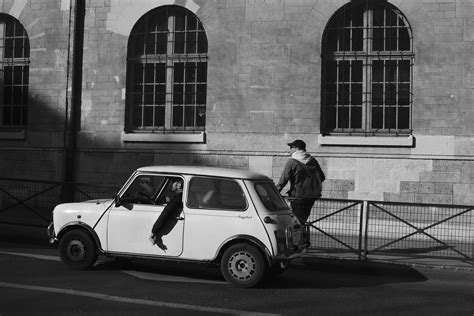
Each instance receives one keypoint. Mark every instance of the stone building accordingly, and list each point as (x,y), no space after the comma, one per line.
(381,91)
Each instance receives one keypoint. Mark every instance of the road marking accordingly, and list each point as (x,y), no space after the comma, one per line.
(137,274)
(31,255)
(170,278)
(128,300)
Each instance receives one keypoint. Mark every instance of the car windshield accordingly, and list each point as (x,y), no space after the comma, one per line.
(270,196)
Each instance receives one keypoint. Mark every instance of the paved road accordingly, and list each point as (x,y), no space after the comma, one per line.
(34,282)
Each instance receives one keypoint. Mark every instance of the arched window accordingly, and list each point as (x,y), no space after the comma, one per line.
(167,72)
(14,73)
(367,62)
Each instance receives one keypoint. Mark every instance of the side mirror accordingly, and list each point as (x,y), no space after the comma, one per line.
(117,201)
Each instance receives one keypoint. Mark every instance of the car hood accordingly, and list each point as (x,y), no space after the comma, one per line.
(87,212)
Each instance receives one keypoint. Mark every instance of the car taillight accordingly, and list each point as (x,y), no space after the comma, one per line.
(289,238)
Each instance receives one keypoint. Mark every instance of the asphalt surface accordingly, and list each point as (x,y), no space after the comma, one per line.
(33,281)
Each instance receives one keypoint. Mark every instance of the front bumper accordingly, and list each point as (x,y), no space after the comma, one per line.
(51,233)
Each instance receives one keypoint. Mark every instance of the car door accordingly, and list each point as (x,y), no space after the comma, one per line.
(130,223)
(217,210)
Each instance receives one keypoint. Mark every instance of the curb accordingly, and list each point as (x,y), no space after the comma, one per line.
(371,266)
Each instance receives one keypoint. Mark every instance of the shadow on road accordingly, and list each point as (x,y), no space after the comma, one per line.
(181,269)
(314,273)
(333,273)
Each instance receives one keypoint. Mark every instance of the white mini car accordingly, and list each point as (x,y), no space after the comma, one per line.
(234,218)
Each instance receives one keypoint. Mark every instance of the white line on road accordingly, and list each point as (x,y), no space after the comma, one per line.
(170,278)
(121,299)
(136,274)
(31,255)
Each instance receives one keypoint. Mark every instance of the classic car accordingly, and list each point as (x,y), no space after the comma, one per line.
(235,219)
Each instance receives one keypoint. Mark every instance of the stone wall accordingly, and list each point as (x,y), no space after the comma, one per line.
(263,91)
(35,153)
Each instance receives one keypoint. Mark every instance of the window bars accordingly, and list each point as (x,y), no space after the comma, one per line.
(167,72)
(367,62)
(14,73)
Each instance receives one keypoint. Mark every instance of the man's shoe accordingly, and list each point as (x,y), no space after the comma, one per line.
(152,239)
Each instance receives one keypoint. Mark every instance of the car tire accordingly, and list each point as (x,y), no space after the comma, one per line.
(78,250)
(243,265)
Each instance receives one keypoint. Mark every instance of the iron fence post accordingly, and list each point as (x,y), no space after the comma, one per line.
(364,224)
(361,231)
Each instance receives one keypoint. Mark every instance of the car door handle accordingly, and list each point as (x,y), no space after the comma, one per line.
(179,218)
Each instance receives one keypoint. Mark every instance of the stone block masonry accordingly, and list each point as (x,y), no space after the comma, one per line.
(263,90)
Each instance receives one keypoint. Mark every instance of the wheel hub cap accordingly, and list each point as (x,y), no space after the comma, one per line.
(76,250)
(242,265)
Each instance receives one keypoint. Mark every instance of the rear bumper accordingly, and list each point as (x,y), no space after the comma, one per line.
(295,252)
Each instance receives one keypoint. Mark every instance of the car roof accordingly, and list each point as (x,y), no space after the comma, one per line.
(206,171)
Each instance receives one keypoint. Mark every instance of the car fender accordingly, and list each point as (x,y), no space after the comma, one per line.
(243,238)
(81,225)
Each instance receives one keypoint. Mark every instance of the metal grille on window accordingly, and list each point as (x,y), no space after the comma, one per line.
(167,72)
(367,71)
(14,73)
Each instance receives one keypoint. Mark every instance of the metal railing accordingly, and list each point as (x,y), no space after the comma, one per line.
(420,231)
(336,227)
(30,202)
(403,232)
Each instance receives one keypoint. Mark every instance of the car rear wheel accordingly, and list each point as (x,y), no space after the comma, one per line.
(78,250)
(243,265)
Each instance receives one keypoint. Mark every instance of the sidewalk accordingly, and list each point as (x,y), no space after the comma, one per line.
(378,262)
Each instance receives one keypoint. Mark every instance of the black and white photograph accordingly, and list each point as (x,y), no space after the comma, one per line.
(236,157)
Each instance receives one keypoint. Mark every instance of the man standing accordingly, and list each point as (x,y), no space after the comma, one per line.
(305,177)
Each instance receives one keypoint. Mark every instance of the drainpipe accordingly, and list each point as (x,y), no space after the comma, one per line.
(73,114)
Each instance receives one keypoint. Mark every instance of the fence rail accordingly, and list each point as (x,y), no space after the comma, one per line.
(350,229)
(30,202)
(402,232)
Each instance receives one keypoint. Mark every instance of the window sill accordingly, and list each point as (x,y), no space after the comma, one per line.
(198,137)
(372,141)
(12,135)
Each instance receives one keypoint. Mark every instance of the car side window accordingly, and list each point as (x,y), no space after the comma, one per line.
(216,193)
(143,189)
(270,197)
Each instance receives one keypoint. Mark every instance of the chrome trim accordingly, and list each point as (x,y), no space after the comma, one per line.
(113,254)
(50,230)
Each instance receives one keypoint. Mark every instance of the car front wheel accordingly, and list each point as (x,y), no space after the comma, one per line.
(243,265)
(78,250)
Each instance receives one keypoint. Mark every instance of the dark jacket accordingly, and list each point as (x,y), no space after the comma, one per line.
(305,178)
(167,219)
